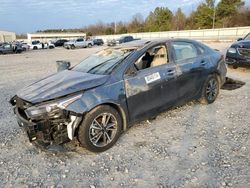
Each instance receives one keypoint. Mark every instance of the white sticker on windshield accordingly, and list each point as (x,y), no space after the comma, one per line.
(152,77)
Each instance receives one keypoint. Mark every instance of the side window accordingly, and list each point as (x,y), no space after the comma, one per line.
(35,42)
(201,49)
(79,40)
(247,37)
(153,57)
(7,46)
(184,50)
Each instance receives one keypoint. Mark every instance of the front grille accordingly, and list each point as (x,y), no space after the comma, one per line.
(244,52)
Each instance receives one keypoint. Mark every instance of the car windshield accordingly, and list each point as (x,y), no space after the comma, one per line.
(247,37)
(103,62)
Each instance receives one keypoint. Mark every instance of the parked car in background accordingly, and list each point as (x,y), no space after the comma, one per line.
(111,42)
(107,92)
(125,39)
(36,44)
(10,48)
(98,42)
(238,55)
(78,43)
(25,46)
(60,42)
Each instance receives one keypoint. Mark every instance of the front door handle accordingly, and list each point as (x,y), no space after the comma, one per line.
(171,72)
(203,62)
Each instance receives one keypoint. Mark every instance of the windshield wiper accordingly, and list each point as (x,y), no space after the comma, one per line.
(110,69)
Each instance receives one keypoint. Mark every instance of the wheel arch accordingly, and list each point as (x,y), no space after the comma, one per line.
(119,109)
(82,110)
(218,75)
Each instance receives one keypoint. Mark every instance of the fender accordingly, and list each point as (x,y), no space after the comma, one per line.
(95,97)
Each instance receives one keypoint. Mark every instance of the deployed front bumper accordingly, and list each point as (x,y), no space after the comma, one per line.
(46,130)
(29,127)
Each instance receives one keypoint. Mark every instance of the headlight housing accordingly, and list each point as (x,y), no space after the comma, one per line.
(232,50)
(39,110)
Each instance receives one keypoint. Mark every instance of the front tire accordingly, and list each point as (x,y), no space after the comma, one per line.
(210,90)
(100,129)
(89,45)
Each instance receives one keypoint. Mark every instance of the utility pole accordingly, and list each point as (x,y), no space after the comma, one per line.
(214,16)
(115,27)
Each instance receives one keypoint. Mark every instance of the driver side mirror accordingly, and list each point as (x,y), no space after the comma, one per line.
(239,39)
(62,65)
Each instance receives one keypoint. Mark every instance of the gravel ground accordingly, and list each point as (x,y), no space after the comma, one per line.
(190,146)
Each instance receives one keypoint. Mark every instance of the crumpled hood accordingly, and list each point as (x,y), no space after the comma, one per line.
(60,84)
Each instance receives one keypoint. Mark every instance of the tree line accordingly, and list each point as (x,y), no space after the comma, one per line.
(227,13)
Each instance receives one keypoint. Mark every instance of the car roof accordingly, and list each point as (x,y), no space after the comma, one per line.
(136,44)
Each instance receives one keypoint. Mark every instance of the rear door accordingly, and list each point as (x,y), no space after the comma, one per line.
(191,68)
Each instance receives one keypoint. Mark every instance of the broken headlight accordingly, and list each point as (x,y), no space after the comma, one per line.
(232,50)
(39,110)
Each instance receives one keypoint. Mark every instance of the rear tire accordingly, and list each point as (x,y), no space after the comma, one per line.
(35,48)
(100,129)
(89,45)
(210,90)
(72,47)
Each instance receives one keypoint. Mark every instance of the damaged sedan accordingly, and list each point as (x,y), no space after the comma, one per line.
(106,93)
(238,55)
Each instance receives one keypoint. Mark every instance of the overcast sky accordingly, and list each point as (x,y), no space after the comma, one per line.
(24,16)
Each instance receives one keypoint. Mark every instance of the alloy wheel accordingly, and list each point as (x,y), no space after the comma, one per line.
(103,130)
(212,89)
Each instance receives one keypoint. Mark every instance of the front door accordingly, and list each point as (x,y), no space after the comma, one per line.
(151,87)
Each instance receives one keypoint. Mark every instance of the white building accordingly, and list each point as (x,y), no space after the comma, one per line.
(6,36)
(45,37)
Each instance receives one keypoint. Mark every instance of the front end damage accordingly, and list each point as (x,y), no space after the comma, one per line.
(49,123)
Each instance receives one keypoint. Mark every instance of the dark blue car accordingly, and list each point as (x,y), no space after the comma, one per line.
(238,55)
(102,96)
